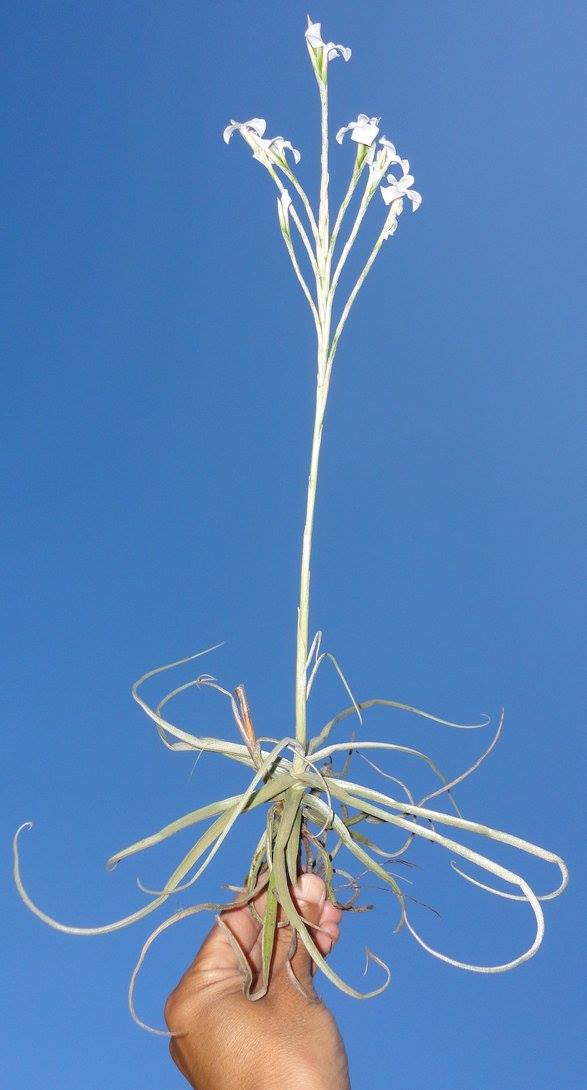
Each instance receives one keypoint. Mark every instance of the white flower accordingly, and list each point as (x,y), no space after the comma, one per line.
(278,145)
(321,52)
(399,188)
(364,130)
(253,132)
(256,127)
(389,153)
(381,158)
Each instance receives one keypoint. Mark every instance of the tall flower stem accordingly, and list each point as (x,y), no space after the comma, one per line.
(304,601)
(324,301)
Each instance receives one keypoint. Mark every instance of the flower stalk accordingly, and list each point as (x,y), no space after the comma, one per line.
(364,132)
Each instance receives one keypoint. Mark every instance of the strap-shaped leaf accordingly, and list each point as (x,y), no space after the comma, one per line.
(186,740)
(117,925)
(174,827)
(329,873)
(264,794)
(318,740)
(479,860)
(281,880)
(393,747)
(232,816)
(268,933)
(293,845)
(259,856)
(364,794)
(317,807)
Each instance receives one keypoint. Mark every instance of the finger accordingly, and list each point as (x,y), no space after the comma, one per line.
(243,924)
(328,931)
(310,897)
(326,937)
(216,954)
(331,913)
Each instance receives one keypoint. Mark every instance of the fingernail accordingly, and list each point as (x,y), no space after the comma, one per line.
(311,889)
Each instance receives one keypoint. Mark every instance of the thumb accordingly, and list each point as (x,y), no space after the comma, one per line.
(309,895)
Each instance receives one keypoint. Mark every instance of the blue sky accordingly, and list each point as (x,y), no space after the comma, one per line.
(157,422)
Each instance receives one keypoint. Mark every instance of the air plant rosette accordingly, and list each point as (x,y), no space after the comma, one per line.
(314,810)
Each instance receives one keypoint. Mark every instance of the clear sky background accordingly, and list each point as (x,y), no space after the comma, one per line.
(157,406)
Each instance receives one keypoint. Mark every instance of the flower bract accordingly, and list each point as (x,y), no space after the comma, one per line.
(283,203)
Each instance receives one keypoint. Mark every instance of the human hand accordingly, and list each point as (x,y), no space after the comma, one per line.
(283,1040)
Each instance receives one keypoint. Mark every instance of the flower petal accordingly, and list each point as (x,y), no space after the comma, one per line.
(340,50)
(366,132)
(297,155)
(257,124)
(330,50)
(229,130)
(388,152)
(363,131)
(389,193)
(278,145)
(314,36)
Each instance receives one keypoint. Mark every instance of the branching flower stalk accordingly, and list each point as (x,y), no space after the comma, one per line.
(314,811)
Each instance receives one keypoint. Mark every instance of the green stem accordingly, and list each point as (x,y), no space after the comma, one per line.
(326,285)
(304,601)
(323,215)
(342,210)
(324,312)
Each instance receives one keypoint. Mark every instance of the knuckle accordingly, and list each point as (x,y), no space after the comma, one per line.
(175,1006)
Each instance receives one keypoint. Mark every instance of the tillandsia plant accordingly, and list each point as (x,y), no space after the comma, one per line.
(313,809)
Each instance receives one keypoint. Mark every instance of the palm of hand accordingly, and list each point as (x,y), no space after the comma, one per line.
(222,1040)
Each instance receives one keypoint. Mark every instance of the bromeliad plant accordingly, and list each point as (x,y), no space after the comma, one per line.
(314,810)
